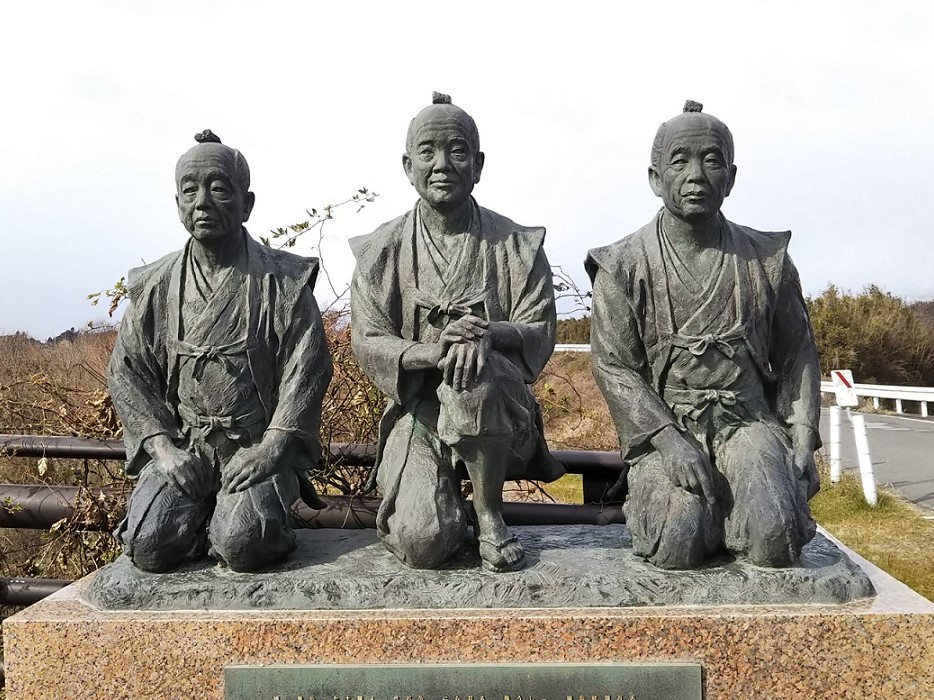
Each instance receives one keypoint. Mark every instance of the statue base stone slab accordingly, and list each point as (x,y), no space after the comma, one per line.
(567,566)
(871,647)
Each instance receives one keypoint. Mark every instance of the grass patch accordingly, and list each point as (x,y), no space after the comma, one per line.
(568,489)
(894,535)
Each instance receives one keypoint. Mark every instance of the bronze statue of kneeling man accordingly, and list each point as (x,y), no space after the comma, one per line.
(218,374)
(703,349)
(452,317)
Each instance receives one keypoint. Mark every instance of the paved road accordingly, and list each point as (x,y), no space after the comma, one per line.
(902,452)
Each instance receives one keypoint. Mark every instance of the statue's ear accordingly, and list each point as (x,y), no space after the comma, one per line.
(732,181)
(407,166)
(249,199)
(479,159)
(655,181)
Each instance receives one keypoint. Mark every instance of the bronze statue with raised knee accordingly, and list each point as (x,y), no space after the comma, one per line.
(453,317)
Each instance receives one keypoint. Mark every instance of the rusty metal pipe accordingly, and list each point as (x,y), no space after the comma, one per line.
(356,454)
(40,507)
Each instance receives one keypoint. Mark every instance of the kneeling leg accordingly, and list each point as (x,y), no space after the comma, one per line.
(251,529)
(421,519)
(768,521)
(164,527)
(671,527)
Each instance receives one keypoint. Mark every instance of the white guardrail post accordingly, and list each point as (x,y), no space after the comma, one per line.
(836,459)
(865,461)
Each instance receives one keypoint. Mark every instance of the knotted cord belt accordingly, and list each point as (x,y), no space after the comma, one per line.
(447,307)
(699,399)
(215,353)
(697,345)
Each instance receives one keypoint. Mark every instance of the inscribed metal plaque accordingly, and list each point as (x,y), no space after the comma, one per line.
(670,681)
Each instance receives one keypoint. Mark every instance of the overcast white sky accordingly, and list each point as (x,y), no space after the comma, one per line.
(831,105)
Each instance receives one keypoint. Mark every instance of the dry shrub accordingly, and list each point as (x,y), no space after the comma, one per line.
(576,416)
(574,330)
(875,334)
(350,412)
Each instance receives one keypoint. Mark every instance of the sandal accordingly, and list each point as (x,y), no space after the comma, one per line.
(491,554)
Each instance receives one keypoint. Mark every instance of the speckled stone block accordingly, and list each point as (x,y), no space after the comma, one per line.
(876,648)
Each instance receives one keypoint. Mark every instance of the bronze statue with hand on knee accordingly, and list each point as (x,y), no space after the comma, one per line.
(218,374)
(702,347)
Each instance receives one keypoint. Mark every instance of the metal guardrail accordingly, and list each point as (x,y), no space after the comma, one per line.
(600,470)
(893,392)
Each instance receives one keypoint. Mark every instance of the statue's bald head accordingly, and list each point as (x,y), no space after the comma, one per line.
(691,118)
(442,112)
(209,147)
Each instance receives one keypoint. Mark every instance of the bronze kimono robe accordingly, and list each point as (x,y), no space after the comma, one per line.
(732,361)
(404,292)
(277,352)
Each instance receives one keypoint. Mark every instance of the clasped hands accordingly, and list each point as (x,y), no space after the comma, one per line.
(248,467)
(460,353)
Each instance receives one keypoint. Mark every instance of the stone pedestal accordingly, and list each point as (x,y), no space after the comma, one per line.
(881,647)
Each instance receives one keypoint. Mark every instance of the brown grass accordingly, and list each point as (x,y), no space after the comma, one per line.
(576,416)
(894,535)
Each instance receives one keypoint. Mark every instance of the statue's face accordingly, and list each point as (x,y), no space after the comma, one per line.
(693,176)
(211,204)
(442,164)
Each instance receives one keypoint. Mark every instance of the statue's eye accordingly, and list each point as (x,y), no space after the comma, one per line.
(712,162)
(426,153)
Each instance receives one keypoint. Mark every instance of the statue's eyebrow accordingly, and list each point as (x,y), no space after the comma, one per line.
(214,174)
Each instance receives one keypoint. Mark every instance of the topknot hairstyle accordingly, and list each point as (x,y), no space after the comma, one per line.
(207,136)
(691,107)
(441,104)
(208,139)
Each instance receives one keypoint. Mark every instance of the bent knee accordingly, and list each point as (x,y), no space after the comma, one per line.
(251,545)
(771,541)
(424,553)
(680,538)
(427,549)
(159,554)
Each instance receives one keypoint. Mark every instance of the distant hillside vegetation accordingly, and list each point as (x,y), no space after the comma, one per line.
(877,335)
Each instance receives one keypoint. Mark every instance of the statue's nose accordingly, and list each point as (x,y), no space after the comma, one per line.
(442,162)
(695,173)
